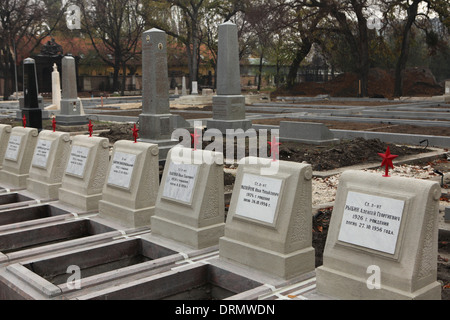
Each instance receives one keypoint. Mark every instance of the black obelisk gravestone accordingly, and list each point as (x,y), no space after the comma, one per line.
(31,110)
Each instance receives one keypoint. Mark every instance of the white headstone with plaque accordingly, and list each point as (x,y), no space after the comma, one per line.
(382,239)
(131,187)
(48,164)
(269,222)
(190,205)
(5,132)
(85,172)
(18,156)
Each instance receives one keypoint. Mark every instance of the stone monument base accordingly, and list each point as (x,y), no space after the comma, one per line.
(285,266)
(306,132)
(223,125)
(198,238)
(45,190)
(71,120)
(10,179)
(334,283)
(84,202)
(133,218)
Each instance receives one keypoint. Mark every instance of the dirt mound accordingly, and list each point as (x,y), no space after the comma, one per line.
(417,82)
(347,153)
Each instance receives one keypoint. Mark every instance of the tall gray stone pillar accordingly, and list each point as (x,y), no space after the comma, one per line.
(229,103)
(156,123)
(70,105)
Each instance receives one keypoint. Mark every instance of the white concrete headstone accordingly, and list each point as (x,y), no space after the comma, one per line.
(386,224)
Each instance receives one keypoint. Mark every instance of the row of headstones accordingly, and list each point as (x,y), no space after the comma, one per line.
(381,243)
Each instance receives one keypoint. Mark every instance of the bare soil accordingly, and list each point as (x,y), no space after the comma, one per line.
(361,126)
(417,82)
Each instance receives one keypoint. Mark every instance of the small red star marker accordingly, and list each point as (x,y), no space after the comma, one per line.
(195,137)
(54,124)
(135,133)
(387,161)
(274,150)
(24,121)
(90,128)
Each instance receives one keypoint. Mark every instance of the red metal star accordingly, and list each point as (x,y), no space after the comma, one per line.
(274,150)
(54,124)
(90,128)
(135,133)
(387,161)
(24,121)
(195,137)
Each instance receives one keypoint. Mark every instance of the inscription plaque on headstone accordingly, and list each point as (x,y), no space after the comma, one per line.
(180,182)
(77,161)
(121,169)
(258,198)
(41,153)
(12,151)
(371,221)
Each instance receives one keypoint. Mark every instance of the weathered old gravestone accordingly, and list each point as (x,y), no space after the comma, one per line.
(31,110)
(269,221)
(5,132)
(131,187)
(18,157)
(85,172)
(70,104)
(48,164)
(190,203)
(156,121)
(382,239)
(229,103)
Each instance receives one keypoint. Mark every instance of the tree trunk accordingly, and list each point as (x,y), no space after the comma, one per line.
(124,78)
(404,53)
(6,67)
(301,53)
(363,43)
(261,58)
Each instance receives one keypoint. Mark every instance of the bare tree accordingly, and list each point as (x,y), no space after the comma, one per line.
(188,24)
(23,25)
(412,12)
(114,28)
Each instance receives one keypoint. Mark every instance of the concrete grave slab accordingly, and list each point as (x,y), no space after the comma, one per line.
(132,183)
(48,164)
(269,221)
(18,156)
(190,203)
(85,173)
(382,240)
(306,132)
